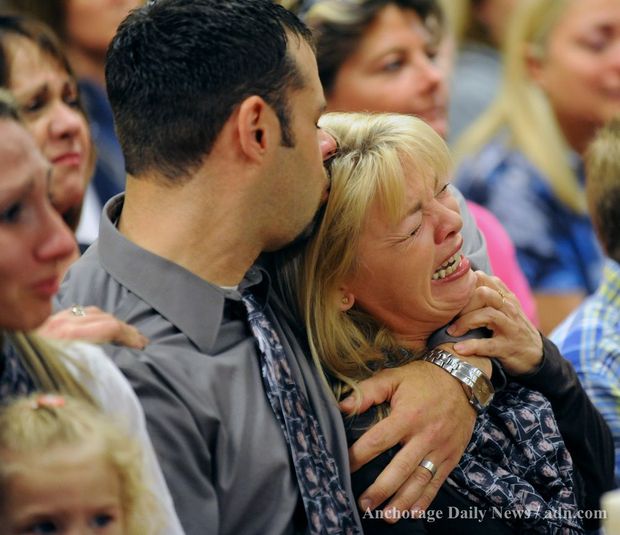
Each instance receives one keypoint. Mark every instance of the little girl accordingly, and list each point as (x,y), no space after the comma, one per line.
(66,468)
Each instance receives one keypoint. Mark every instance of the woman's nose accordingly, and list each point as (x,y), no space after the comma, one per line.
(65,121)
(327,144)
(448,223)
(57,242)
(429,75)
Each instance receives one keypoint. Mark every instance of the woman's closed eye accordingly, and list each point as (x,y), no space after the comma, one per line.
(415,230)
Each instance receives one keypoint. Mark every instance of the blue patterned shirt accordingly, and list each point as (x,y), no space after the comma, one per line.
(590,339)
(556,248)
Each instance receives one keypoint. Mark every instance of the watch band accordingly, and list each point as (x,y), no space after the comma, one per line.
(441,336)
(477,385)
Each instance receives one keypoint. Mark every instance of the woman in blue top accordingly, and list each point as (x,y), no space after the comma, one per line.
(521,159)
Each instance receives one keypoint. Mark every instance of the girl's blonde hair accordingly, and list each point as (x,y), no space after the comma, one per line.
(376,156)
(34,425)
(524,110)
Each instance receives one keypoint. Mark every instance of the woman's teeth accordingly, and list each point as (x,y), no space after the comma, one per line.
(448,267)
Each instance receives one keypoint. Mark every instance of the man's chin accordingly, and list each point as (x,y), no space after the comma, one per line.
(299,242)
(302,238)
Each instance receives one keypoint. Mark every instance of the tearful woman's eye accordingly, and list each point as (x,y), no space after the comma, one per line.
(12,213)
(34,105)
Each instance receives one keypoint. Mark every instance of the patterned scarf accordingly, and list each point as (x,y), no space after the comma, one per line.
(517,465)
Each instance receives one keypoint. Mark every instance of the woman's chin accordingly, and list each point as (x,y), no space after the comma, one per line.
(453,295)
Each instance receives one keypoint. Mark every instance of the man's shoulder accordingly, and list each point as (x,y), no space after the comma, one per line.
(87,283)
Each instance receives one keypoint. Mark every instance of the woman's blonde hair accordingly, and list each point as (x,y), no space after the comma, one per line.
(376,156)
(34,425)
(524,110)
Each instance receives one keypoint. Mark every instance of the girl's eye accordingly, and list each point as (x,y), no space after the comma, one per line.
(443,190)
(42,528)
(11,214)
(415,231)
(101,521)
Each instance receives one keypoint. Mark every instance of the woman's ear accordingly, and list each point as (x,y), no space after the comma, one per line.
(346,299)
(534,64)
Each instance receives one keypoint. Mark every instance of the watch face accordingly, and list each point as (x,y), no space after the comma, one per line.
(483,391)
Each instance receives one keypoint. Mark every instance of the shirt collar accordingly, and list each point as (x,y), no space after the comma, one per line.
(193,305)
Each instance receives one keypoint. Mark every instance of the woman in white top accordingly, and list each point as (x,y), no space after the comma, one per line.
(36,244)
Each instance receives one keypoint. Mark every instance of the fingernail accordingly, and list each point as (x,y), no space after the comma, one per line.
(415,511)
(365,504)
(451,330)
(459,347)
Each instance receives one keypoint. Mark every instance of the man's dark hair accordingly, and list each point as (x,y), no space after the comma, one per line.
(177,69)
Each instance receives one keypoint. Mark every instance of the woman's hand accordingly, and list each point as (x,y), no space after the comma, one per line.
(93,325)
(516,343)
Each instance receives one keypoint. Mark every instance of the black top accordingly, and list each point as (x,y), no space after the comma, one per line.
(583,429)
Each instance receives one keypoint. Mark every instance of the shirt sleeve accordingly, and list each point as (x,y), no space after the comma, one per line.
(474,245)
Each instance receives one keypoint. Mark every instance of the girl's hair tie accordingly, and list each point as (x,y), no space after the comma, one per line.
(48,401)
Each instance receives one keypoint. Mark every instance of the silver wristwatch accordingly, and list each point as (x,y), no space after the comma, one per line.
(477,385)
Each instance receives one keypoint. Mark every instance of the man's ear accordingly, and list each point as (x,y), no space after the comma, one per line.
(255,120)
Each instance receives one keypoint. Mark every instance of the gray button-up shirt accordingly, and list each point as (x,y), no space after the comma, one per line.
(219,444)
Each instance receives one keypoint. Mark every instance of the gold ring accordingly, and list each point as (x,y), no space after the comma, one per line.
(503,296)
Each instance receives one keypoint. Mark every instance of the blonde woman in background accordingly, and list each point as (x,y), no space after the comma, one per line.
(479,28)
(522,161)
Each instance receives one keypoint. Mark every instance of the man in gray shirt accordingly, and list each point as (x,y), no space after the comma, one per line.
(216,106)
